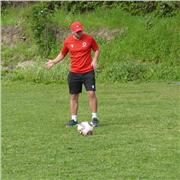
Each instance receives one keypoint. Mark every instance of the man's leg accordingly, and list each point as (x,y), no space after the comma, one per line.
(93,106)
(90,85)
(74,105)
(92,101)
(73,109)
(75,87)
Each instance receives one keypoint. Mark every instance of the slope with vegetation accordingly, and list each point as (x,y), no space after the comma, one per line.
(138,40)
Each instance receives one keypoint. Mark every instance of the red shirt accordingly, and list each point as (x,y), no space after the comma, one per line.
(80,52)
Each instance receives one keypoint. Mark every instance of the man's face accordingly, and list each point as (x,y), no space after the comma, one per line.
(78,34)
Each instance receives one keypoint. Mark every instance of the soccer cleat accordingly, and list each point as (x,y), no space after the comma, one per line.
(71,123)
(94,122)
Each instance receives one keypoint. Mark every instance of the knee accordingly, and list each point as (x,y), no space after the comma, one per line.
(74,97)
(91,94)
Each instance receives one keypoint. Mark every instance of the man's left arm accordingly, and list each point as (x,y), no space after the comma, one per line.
(95,48)
(95,59)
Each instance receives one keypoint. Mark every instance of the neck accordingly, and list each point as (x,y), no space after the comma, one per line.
(75,37)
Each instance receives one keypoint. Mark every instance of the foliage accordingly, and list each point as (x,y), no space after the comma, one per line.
(138,8)
(37,73)
(167,9)
(82,6)
(145,49)
(163,9)
(10,57)
(116,72)
(42,29)
(129,71)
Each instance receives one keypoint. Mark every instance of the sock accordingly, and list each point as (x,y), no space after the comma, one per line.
(74,117)
(94,115)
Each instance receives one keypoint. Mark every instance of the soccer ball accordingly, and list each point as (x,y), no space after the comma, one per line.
(85,128)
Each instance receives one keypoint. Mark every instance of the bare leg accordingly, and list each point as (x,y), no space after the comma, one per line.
(92,101)
(74,104)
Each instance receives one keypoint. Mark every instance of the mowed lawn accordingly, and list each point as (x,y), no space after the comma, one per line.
(138,137)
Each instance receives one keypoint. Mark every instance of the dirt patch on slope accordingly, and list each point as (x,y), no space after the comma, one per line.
(107,34)
(104,33)
(10,35)
(14,34)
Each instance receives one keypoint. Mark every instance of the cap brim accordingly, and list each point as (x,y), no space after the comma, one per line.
(78,30)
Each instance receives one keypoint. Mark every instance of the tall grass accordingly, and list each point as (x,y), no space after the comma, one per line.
(14,15)
(37,73)
(147,48)
(11,55)
(100,17)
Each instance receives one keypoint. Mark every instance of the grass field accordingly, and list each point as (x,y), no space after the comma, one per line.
(138,137)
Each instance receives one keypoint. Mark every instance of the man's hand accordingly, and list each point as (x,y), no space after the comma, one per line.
(49,64)
(94,63)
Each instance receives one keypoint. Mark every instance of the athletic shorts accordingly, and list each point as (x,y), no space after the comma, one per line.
(76,80)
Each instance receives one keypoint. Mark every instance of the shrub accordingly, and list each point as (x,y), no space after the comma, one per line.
(130,71)
(38,74)
(42,29)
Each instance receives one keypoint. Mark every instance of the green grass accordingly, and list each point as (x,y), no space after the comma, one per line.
(14,15)
(138,137)
(96,19)
(148,45)
(26,51)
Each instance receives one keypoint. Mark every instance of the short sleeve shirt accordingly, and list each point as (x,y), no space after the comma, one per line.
(80,52)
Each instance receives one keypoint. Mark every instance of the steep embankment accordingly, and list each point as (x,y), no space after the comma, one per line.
(132,47)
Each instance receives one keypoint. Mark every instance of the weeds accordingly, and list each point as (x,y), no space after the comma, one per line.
(146,50)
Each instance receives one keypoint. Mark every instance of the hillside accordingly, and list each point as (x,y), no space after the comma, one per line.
(133,47)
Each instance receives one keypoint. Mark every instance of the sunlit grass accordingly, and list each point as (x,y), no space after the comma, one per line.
(138,136)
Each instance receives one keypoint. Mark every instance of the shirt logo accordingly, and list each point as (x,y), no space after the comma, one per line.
(84,44)
(72,45)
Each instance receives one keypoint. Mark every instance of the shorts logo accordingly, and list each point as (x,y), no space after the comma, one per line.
(93,86)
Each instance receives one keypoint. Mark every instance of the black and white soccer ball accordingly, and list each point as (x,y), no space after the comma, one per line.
(85,128)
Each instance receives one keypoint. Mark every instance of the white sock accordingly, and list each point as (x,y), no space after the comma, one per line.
(94,115)
(74,117)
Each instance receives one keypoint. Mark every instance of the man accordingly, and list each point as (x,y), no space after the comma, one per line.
(82,65)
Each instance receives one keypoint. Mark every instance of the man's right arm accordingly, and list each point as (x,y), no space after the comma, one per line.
(51,63)
(59,58)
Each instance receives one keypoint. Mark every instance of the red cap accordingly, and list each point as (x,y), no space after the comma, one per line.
(76,27)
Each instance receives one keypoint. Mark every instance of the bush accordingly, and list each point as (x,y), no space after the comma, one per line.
(130,71)
(116,72)
(123,72)
(147,48)
(42,29)
(167,9)
(38,74)
(161,9)
(138,8)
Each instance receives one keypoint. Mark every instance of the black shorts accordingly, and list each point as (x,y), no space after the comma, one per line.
(76,80)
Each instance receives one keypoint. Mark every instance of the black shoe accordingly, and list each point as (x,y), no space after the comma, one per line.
(71,123)
(94,122)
